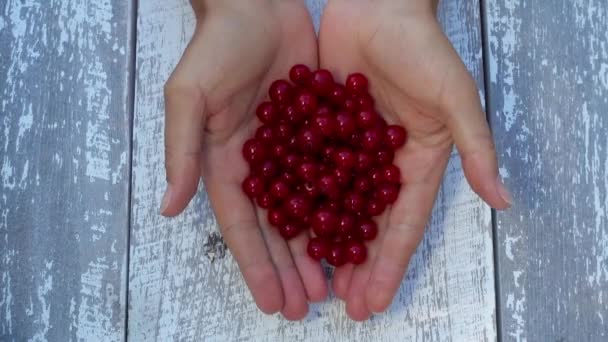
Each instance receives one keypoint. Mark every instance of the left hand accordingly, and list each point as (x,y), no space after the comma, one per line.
(418,81)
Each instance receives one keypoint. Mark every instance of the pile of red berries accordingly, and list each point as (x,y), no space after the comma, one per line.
(323,159)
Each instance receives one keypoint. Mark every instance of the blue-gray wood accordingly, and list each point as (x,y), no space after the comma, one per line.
(64,169)
(547,67)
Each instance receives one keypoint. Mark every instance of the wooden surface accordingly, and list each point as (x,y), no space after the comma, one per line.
(64,169)
(183,285)
(548,99)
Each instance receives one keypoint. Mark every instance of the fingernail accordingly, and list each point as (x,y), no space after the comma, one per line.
(166,200)
(504,192)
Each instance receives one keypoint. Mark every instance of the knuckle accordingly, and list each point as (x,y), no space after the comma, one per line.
(177,87)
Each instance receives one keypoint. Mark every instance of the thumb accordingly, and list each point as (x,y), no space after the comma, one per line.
(469,128)
(184,126)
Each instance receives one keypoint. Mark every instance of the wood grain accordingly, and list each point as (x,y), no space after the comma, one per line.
(181,288)
(548,100)
(64,169)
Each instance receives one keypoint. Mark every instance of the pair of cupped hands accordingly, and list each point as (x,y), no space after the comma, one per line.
(418,80)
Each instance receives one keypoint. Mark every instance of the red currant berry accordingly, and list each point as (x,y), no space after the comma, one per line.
(356,252)
(376,177)
(254,151)
(297,206)
(280,91)
(282,132)
(308,171)
(371,139)
(350,105)
(324,109)
(344,158)
(336,255)
(268,169)
(375,207)
(391,174)
(345,125)
(343,177)
(395,136)
(324,222)
(366,119)
(362,184)
(324,124)
(309,189)
(353,202)
(279,189)
(289,230)
(265,134)
(356,83)
(291,115)
(368,229)
(346,224)
(253,186)
(365,102)
(388,193)
(384,157)
(309,141)
(305,102)
(327,153)
(364,162)
(328,186)
(288,178)
(276,217)
(264,200)
(278,151)
(300,74)
(322,82)
(317,248)
(337,95)
(267,112)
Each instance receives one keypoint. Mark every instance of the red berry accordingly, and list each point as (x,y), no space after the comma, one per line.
(324,222)
(288,178)
(280,91)
(276,217)
(324,124)
(337,95)
(309,141)
(366,119)
(267,112)
(254,151)
(305,102)
(253,186)
(324,109)
(291,115)
(264,200)
(356,83)
(308,171)
(376,177)
(388,193)
(309,189)
(345,125)
(368,229)
(364,161)
(344,158)
(279,189)
(350,105)
(365,102)
(328,186)
(385,156)
(336,255)
(278,151)
(362,184)
(322,82)
(342,177)
(346,224)
(356,252)
(268,169)
(331,205)
(290,161)
(300,74)
(395,136)
(353,202)
(391,174)
(371,139)
(297,206)
(327,153)
(265,134)
(375,207)
(282,132)
(317,248)
(289,230)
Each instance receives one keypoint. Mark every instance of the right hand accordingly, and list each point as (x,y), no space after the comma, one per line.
(238,49)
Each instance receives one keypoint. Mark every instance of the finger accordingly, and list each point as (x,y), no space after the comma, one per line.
(341,280)
(422,172)
(239,226)
(467,123)
(309,269)
(184,123)
(295,306)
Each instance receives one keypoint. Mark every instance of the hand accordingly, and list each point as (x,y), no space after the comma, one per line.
(419,82)
(238,49)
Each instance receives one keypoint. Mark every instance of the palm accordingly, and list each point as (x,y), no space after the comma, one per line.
(408,62)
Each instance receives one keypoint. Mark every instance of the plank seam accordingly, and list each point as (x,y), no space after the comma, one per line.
(487,98)
(131,102)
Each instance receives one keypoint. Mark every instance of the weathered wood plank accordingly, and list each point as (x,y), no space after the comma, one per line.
(548,100)
(64,169)
(181,286)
